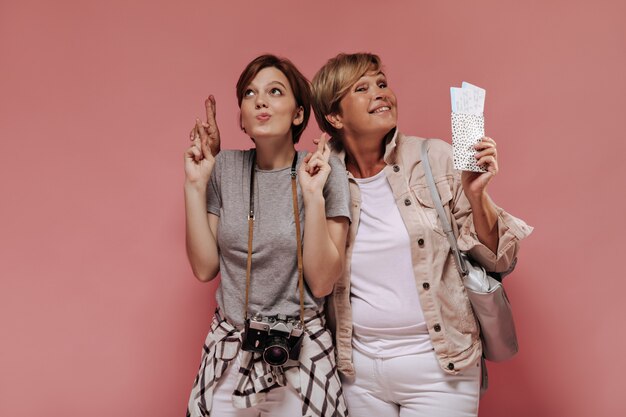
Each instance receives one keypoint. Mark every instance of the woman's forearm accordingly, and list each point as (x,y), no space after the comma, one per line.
(200,239)
(485,220)
(323,246)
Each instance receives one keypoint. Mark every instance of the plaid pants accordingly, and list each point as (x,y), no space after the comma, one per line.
(314,376)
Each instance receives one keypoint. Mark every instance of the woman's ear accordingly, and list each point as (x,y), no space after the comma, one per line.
(299,117)
(241,123)
(335,120)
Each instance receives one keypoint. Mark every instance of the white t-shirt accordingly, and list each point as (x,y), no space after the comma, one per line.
(386,311)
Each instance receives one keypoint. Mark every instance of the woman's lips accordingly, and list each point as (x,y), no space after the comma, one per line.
(380,109)
(263,117)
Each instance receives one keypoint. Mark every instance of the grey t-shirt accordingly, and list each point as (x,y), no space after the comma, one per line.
(274,276)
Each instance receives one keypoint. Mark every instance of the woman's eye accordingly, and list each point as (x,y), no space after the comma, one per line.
(248,93)
(360,88)
(382,84)
(276,92)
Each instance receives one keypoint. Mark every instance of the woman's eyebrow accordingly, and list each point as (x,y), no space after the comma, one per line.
(279,83)
(377,75)
(253,85)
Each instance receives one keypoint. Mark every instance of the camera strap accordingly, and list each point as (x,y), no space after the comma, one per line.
(296,215)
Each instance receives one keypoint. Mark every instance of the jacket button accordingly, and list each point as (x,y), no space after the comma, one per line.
(426,285)
(451,366)
(437,328)
(420,242)
(396,168)
(407,202)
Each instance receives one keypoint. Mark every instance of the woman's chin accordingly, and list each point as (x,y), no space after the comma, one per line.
(270,136)
(382,129)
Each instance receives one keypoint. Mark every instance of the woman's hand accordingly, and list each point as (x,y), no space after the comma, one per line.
(324,245)
(314,170)
(200,227)
(200,156)
(475,183)
(484,213)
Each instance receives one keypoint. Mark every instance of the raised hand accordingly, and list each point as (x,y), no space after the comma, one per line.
(314,170)
(200,156)
(475,183)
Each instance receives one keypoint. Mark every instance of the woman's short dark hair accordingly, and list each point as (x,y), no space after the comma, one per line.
(299,85)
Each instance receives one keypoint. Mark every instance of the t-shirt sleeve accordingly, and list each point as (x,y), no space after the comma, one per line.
(336,191)
(213,189)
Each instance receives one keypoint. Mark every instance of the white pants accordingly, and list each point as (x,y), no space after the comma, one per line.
(280,402)
(410,386)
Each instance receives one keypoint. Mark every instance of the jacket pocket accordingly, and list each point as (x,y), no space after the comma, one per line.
(422,194)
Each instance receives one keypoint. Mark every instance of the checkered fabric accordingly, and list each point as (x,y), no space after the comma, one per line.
(314,376)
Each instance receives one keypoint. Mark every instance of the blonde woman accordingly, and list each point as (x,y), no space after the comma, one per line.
(407,341)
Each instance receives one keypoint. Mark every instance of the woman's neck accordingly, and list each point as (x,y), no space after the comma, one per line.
(364,156)
(272,154)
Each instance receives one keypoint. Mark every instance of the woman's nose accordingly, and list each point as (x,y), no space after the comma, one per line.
(260,102)
(381,93)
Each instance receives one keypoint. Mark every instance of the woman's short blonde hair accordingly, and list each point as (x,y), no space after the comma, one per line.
(332,82)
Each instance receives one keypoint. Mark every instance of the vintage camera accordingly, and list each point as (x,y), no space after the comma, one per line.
(277,338)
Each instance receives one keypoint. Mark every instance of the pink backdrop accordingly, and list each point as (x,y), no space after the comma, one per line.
(99,312)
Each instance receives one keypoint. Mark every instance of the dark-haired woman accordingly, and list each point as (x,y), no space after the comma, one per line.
(261,218)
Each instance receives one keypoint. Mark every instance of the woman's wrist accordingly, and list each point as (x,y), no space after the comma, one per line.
(195,186)
(314,197)
(479,201)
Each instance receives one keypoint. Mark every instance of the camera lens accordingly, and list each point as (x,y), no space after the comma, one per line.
(276,353)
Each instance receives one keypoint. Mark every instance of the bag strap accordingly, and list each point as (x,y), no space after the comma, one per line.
(250,234)
(460,265)
(296,215)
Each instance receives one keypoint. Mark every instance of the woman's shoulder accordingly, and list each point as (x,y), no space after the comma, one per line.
(232,157)
(436,147)
(433,144)
(336,163)
(232,154)
(229,164)
(439,151)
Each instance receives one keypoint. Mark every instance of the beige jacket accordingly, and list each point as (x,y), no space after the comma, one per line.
(453,329)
